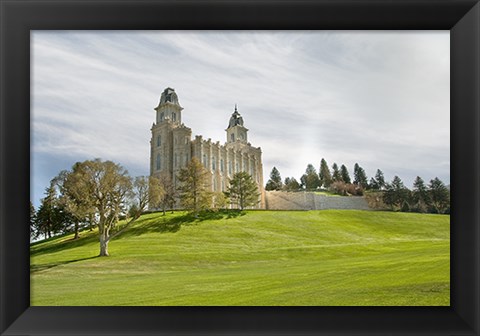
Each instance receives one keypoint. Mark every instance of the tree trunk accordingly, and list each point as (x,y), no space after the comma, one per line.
(76,231)
(103,246)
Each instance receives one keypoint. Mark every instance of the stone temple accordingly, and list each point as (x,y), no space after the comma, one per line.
(172,147)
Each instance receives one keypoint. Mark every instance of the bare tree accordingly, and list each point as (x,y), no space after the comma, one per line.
(193,189)
(168,199)
(147,191)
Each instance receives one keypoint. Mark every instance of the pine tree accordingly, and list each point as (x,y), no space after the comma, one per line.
(310,180)
(243,191)
(324,174)
(275,181)
(291,184)
(49,215)
(439,196)
(377,182)
(336,176)
(360,178)
(380,179)
(396,194)
(344,174)
(420,195)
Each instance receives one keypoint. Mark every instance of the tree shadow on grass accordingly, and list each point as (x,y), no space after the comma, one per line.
(86,237)
(43,267)
(160,224)
(172,223)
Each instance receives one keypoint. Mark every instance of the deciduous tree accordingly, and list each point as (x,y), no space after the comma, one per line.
(147,191)
(33,215)
(194,182)
(101,190)
(169,193)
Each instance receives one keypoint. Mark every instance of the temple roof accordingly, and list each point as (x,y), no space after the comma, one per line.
(235,119)
(169,96)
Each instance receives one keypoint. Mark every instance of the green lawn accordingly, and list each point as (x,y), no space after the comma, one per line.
(321,258)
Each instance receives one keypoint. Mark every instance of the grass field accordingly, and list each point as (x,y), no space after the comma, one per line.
(321,258)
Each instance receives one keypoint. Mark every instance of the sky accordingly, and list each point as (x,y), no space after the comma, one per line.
(379,99)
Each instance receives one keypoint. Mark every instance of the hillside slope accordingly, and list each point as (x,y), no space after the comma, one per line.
(331,257)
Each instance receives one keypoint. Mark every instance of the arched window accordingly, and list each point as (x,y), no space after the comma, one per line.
(162,116)
(159,163)
(174,116)
(213,163)
(221,166)
(205,160)
(159,140)
(232,137)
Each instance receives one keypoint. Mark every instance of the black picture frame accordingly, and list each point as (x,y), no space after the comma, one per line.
(19,17)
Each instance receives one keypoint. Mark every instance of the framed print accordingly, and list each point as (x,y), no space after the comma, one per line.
(39,37)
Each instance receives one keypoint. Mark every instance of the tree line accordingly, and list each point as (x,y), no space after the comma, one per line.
(97,194)
(433,198)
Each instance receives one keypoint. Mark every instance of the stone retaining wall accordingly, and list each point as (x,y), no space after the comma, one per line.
(282,200)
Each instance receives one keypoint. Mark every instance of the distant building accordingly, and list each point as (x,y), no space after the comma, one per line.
(172,147)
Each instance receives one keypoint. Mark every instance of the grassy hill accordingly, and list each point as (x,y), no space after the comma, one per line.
(323,258)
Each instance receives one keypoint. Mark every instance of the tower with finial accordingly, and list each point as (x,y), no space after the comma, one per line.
(170,143)
(236,131)
(169,108)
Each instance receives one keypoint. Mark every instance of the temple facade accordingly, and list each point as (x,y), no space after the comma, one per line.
(172,147)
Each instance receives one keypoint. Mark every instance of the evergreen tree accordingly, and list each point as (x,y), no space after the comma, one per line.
(324,174)
(380,179)
(291,184)
(344,174)
(377,182)
(49,217)
(439,196)
(336,176)
(396,194)
(420,195)
(243,191)
(310,180)
(275,181)
(360,178)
